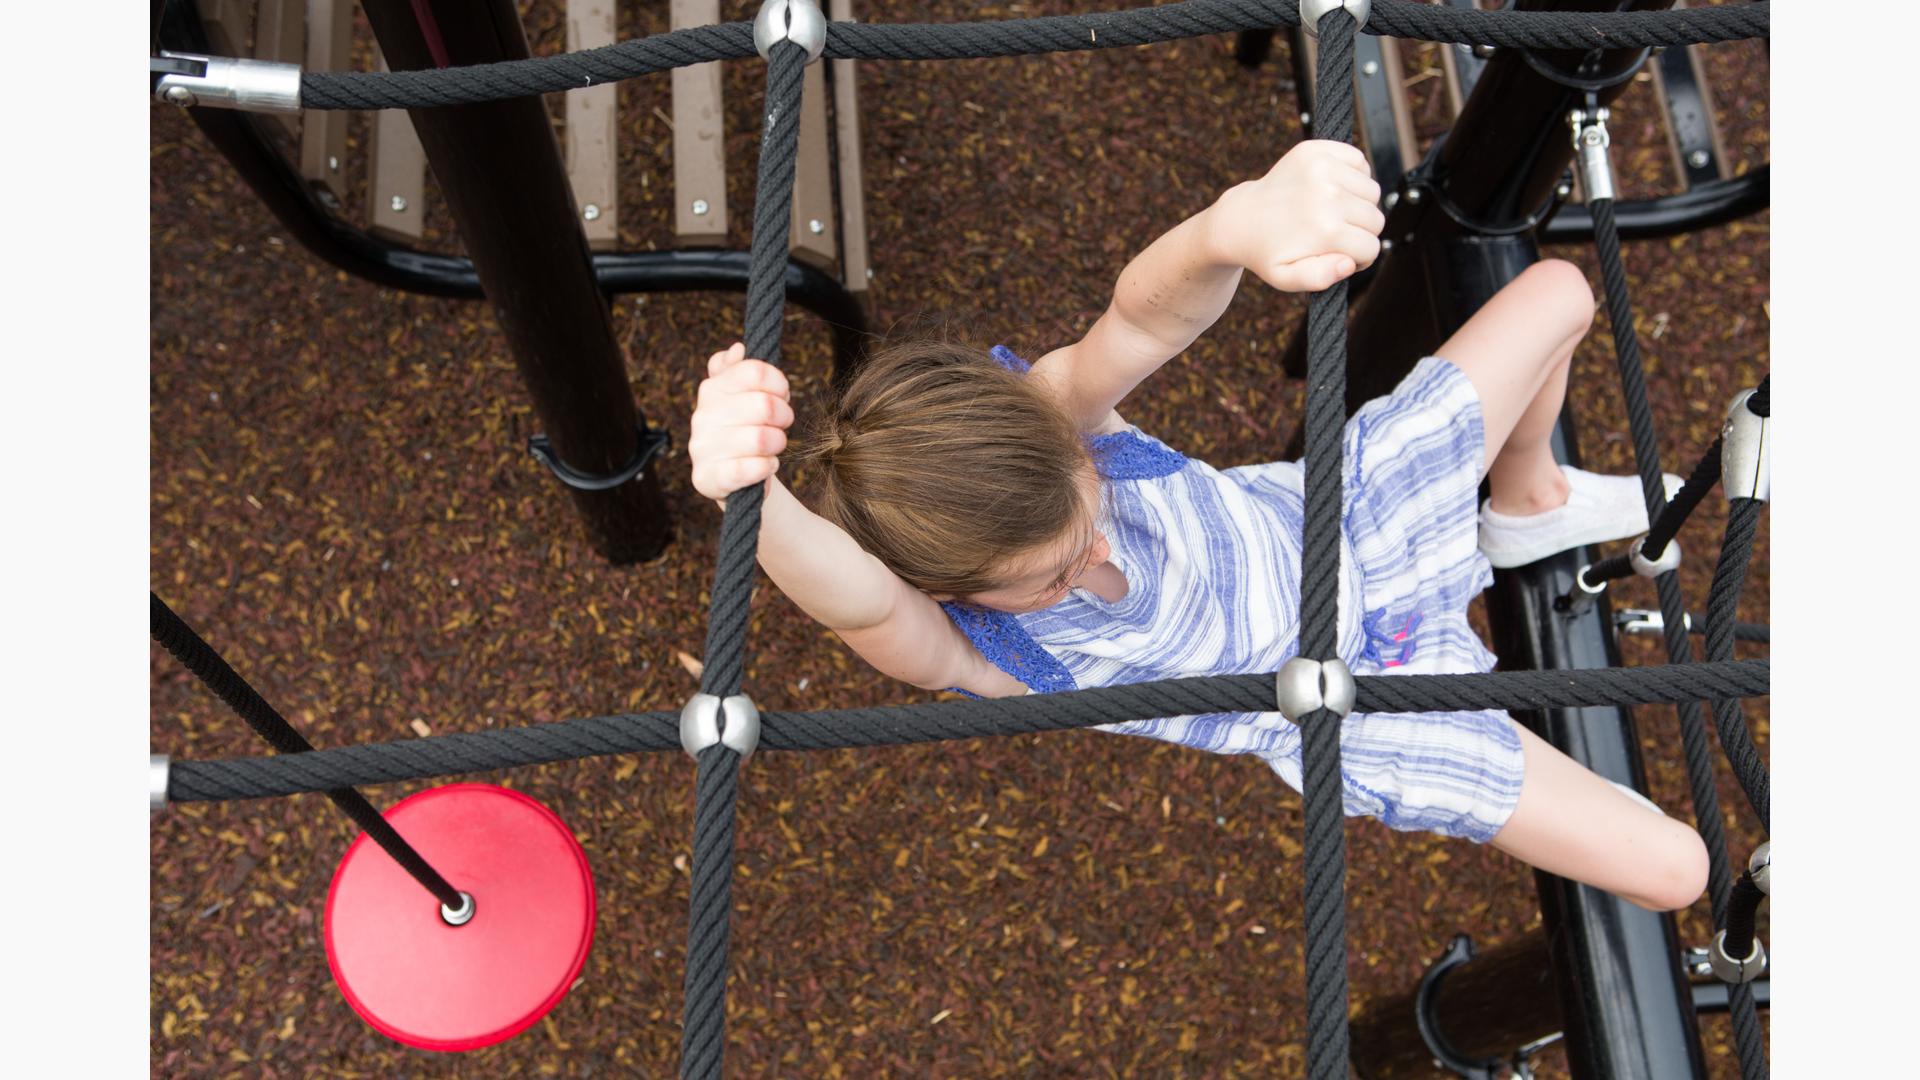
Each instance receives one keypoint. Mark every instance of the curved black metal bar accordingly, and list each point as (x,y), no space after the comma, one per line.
(1715,202)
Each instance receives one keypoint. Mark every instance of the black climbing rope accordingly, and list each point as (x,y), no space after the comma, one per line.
(173,633)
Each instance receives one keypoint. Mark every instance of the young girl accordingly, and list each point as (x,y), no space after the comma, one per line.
(1003,531)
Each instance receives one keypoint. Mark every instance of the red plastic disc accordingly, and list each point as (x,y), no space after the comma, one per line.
(440,987)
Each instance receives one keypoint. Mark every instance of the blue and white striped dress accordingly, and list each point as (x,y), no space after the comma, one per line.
(1212,562)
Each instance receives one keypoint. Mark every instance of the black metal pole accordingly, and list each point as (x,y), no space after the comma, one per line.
(499,167)
(1627,1008)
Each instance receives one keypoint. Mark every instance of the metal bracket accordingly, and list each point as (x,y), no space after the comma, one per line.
(1302,685)
(1745,455)
(1311,10)
(221,82)
(1644,621)
(651,442)
(1760,867)
(1579,599)
(1669,559)
(156,784)
(1590,145)
(700,724)
(798,21)
(1731,970)
(1459,951)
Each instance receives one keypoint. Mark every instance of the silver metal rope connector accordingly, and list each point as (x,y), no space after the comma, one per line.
(461,915)
(700,724)
(798,21)
(1302,685)
(221,82)
(1745,459)
(1736,970)
(1311,10)
(1590,144)
(1760,867)
(1648,568)
(156,784)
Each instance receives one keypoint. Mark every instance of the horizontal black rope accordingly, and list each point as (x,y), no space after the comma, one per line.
(207,665)
(1019,37)
(892,725)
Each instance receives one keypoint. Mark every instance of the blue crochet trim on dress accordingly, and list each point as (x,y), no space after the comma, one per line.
(1129,455)
(1119,455)
(1007,645)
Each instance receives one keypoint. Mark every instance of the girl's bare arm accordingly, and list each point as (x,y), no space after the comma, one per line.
(1310,221)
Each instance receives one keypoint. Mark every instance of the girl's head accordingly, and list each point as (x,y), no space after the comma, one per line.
(964,478)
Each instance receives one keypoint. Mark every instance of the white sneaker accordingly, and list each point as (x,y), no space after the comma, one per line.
(1598,509)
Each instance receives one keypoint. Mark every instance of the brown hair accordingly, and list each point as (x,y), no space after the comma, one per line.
(942,464)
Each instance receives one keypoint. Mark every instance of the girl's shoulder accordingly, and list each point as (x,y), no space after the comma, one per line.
(1131,454)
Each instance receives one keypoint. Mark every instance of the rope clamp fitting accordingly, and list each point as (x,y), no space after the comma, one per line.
(1668,561)
(461,915)
(1590,144)
(1760,867)
(1302,685)
(1644,621)
(700,724)
(1729,970)
(156,784)
(221,82)
(1312,10)
(1745,455)
(798,21)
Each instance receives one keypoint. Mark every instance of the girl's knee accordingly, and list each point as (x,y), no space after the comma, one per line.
(1561,288)
(1680,873)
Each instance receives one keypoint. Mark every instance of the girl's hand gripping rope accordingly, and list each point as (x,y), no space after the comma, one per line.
(1313,220)
(740,423)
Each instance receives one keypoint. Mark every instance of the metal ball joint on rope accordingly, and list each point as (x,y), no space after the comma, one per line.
(1315,693)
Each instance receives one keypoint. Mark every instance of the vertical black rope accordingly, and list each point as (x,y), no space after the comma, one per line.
(1743,516)
(703,1042)
(173,633)
(1693,735)
(1324,837)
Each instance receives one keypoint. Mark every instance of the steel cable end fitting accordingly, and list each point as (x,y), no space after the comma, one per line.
(1760,867)
(1311,10)
(700,724)
(1745,470)
(156,784)
(1302,685)
(1647,568)
(221,82)
(1590,145)
(1729,970)
(798,21)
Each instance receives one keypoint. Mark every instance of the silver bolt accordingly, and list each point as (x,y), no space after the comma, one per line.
(399,204)
(700,206)
(1564,191)
(1414,196)
(333,163)
(1698,159)
(461,915)
(179,95)
(815,227)
(1484,52)
(1386,244)
(1306,119)
(1370,68)
(591,212)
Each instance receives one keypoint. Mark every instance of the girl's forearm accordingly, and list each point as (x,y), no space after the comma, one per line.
(819,567)
(1178,287)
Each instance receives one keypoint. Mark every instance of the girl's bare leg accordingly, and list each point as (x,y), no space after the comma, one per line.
(1572,823)
(1516,350)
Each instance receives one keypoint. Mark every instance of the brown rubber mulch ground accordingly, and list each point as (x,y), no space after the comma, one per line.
(343,504)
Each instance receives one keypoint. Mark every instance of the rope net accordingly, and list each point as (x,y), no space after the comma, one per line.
(1722,680)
